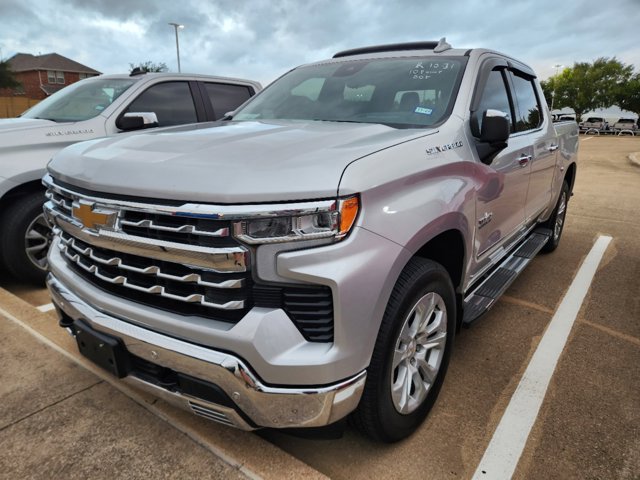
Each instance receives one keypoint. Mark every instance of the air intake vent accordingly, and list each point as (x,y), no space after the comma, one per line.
(310,308)
(210,414)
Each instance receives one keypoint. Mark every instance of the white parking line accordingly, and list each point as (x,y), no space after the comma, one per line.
(47,307)
(503,453)
(586,138)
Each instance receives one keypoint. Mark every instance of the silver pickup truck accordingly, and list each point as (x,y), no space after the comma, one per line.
(312,256)
(92,108)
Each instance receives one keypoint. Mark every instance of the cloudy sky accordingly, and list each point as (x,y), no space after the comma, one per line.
(261,39)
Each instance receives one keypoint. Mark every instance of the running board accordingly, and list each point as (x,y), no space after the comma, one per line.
(484,296)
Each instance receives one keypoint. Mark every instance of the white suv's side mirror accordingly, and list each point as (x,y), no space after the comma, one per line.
(137,121)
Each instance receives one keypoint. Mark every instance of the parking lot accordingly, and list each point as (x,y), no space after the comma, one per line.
(62,417)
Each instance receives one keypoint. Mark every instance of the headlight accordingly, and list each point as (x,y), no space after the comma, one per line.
(308,221)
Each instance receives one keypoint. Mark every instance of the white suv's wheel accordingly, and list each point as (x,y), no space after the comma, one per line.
(25,238)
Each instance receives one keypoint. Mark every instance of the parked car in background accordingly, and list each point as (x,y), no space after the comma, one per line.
(92,108)
(625,125)
(595,123)
(563,117)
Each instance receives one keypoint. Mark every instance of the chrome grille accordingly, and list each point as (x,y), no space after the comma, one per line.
(182,259)
(177,228)
(63,203)
(70,246)
(170,235)
(109,267)
(173,226)
(133,257)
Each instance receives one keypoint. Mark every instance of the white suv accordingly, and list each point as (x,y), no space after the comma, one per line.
(90,109)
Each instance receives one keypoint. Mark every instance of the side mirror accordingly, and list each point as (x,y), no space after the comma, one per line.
(137,121)
(495,128)
(494,135)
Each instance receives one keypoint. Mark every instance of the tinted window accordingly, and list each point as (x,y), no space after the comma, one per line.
(528,116)
(494,97)
(225,98)
(80,101)
(399,92)
(171,101)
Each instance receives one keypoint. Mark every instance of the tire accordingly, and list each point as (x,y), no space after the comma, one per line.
(25,238)
(556,221)
(393,406)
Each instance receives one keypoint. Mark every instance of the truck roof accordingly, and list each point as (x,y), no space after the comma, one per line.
(426,48)
(188,76)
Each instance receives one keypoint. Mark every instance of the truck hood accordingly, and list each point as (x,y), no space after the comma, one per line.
(13,124)
(232,162)
(27,133)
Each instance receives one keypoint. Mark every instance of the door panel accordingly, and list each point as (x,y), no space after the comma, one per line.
(542,172)
(529,121)
(500,205)
(500,201)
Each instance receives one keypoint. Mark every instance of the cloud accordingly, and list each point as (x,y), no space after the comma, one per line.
(262,39)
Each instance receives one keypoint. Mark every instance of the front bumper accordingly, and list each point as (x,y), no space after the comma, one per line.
(253,404)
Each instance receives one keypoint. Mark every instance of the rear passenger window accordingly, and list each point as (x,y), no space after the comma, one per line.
(225,98)
(494,97)
(171,101)
(528,115)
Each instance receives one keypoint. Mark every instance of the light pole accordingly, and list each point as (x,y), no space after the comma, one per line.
(176,26)
(553,93)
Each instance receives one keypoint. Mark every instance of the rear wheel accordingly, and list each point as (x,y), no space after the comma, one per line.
(411,355)
(556,221)
(25,238)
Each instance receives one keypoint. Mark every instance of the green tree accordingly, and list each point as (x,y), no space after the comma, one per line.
(6,77)
(627,95)
(149,66)
(587,86)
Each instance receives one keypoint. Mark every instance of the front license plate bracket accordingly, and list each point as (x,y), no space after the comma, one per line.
(102,349)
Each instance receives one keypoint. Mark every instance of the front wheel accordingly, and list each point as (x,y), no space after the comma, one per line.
(411,354)
(25,238)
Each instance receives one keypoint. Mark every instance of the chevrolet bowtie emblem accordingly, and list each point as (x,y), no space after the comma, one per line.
(91,218)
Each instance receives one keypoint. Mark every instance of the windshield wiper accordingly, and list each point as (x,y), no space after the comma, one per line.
(391,125)
(336,120)
(44,118)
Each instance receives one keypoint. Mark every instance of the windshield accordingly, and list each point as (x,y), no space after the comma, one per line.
(80,101)
(402,93)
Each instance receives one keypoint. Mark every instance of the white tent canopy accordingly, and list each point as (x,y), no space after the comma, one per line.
(610,114)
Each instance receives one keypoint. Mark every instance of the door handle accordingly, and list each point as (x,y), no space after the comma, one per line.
(553,148)
(524,160)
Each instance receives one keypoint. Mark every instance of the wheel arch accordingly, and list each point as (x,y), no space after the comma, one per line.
(20,190)
(570,176)
(446,248)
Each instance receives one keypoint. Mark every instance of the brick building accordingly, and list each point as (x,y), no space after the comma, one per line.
(42,75)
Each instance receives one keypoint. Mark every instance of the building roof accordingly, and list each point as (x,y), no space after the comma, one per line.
(24,62)
(51,89)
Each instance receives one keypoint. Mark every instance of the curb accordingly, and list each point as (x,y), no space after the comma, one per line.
(245,451)
(633,157)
